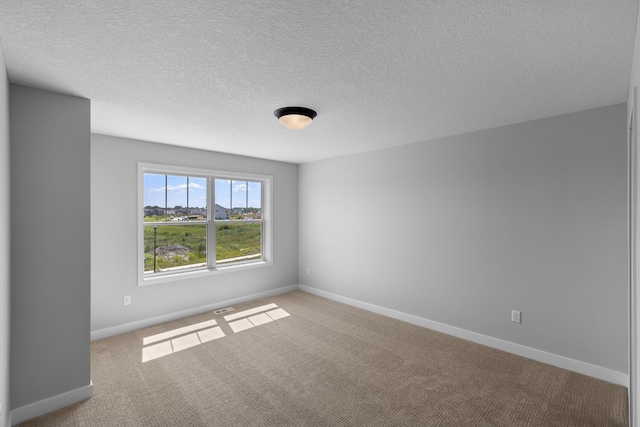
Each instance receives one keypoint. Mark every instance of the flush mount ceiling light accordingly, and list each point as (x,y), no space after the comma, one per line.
(295,117)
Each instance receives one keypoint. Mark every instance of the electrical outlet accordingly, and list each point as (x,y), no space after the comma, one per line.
(515,316)
(308,271)
(127,300)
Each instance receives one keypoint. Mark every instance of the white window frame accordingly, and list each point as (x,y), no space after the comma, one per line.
(211,269)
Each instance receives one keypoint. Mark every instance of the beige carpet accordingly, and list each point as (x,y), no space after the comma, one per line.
(328,364)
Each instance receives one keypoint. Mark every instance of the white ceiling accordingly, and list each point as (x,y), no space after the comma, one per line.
(208,74)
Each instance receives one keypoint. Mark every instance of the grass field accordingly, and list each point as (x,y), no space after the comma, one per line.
(183,245)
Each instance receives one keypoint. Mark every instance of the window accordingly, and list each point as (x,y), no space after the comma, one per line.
(195,221)
(239,227)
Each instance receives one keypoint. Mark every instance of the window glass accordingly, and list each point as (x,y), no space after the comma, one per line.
(169,247)
(223,199)
(238,242)
(176,196)
(154,197)
(171,200)
(197,198)
(180,232)
(255,194)
(238,199)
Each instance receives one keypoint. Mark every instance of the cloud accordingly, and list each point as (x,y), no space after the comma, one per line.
(240,186)
(178,188)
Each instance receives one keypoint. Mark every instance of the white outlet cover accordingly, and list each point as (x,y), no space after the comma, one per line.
(515,316)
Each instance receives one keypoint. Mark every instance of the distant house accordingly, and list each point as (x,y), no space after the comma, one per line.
(221,212)
(153,210)
(198,211)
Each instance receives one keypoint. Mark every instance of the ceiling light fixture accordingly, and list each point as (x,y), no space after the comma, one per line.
(295,117)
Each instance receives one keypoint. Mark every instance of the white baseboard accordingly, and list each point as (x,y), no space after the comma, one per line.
(50,404)
(145,323)
(563,362)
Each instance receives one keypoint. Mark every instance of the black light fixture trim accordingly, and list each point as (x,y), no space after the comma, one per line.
(285,111)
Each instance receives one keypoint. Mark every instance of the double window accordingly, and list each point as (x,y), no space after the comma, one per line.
(201,221)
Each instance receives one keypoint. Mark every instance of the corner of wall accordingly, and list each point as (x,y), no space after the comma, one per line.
(5,242)
(50,300)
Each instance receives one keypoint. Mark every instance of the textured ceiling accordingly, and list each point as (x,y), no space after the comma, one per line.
(208,74)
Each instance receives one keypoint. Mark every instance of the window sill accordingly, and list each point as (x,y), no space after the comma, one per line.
(200,273)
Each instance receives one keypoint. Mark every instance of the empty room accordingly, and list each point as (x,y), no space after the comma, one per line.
(340,213)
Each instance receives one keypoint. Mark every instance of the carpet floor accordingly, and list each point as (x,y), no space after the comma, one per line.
(301,360)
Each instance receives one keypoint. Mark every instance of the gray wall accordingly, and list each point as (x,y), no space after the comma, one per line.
(114,247)
(632,109)
(5,283)
(463,229)
(50,244)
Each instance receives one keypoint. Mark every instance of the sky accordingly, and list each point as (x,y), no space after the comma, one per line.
(241,193)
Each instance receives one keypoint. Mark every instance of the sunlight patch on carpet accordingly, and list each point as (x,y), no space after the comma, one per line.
(241,325)
(179,331)
(180,343)
(249,312)
(247,319)
(179,339)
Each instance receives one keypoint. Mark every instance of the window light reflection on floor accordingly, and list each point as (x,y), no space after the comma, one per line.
(199,333)
(180,331)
